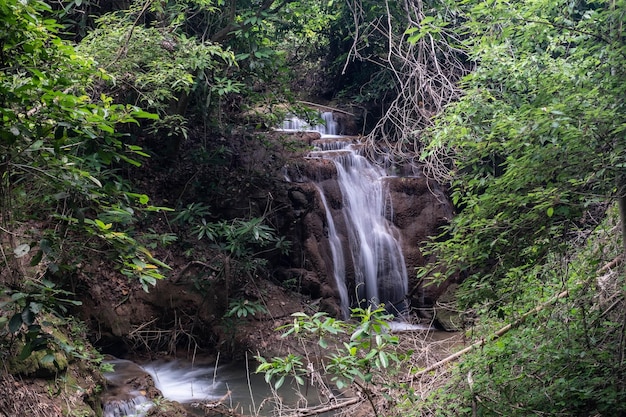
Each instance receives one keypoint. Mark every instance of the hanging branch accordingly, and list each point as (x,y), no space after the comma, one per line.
(426,73)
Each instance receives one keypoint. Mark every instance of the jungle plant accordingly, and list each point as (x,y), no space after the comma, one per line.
(60,147)
(21,318)
(155,65)
(563,359)
(242,308)
(365,359)
(242,238)
(192,214)
(534,148)
(534,153)
(135,260)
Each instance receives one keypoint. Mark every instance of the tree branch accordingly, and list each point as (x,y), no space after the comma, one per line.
(319,409)
(484,340)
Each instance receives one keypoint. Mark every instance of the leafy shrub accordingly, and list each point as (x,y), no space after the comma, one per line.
(366,359)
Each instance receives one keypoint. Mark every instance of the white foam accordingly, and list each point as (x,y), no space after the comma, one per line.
(183,383)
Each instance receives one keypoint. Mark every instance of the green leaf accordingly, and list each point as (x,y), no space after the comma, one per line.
(26,351)
(141,114)
(37,258)
(384,361)
(47,359)
(322,342)
(28,316)
(15,323)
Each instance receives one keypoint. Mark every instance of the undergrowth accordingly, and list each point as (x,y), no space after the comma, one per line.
(565,359)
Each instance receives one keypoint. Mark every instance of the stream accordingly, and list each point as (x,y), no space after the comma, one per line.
(193,384)
(196,383)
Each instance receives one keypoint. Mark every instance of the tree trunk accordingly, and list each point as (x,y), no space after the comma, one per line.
(622,216)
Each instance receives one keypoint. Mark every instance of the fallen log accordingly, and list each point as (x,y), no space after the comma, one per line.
(323,408)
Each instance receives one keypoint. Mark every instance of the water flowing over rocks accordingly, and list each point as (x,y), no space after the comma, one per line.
(417,209)
(279,176)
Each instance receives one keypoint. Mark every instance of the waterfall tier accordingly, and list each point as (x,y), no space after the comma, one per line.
(328,126)
(359,225)
(373,249)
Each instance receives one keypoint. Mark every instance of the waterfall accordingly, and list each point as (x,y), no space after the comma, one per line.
(327,127)
(372,259)
(380,273)
(136,406)
(339,263)
(121,399)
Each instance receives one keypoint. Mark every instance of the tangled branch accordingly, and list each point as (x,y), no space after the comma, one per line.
(426,70)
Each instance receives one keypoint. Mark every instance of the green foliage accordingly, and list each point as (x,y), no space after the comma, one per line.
(281,368)
(318,325)
(154,64)
(535,141)
(368,356)
(564,359)
(37,331)
(191,214)
(242,238)
(243,242)
(244,308)
(135,260)
(60,147)
(208,57)
(20,319)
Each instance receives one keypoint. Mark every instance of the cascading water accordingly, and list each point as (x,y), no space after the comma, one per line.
(373,254)
(339,263)
(119,399)
(378,263)
(327,127)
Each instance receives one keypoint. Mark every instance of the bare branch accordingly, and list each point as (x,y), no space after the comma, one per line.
(426,73)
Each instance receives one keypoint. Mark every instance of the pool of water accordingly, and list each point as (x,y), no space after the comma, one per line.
(192,384)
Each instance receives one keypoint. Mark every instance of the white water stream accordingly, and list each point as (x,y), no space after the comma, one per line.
(327,127)
(380,271)
(193,384)
(375,255)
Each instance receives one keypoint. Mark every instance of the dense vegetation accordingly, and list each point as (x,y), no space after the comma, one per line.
(518,107)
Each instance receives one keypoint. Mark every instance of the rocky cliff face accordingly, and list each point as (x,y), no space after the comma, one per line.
(419,208)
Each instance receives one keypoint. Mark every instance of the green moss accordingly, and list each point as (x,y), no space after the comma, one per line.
(38,363)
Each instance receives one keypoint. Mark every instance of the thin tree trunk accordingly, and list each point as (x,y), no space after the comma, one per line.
(622,216)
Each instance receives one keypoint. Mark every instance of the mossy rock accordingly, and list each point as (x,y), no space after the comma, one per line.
(41,363)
